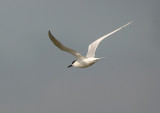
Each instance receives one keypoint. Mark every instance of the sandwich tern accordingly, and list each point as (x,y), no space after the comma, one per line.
(82,61)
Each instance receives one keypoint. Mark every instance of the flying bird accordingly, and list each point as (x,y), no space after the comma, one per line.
(89,59)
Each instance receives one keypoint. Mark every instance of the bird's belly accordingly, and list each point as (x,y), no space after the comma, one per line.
(83,63)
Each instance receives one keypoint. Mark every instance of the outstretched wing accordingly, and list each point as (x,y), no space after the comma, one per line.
(63,48)
(92,47)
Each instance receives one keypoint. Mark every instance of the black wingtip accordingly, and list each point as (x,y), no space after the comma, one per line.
(49,32)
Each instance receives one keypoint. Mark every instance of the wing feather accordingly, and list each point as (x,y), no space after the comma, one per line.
(93,46)
(64,48)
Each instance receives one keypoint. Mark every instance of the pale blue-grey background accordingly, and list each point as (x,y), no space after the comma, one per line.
(33,73)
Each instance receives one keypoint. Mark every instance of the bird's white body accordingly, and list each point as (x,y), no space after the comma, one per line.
(81,61)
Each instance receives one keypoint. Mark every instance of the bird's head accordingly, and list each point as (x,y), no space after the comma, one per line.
(71,64)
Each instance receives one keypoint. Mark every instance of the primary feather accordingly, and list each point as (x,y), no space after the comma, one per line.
(64,48)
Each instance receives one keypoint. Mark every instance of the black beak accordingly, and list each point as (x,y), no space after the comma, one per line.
(69,66)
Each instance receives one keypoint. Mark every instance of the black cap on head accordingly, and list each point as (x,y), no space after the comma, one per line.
(71,64)
(73,61)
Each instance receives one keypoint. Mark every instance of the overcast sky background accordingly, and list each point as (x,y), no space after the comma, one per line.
(33,73)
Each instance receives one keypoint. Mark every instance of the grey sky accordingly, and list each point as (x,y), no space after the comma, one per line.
(33,73)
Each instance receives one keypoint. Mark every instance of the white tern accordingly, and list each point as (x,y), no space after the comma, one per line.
(89,59)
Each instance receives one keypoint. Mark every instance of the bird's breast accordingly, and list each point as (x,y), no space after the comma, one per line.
(84,63)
